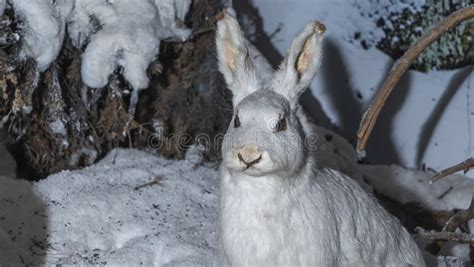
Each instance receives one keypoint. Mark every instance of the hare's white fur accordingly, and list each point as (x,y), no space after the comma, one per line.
(278,206)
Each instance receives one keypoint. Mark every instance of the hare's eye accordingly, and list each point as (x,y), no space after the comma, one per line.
(236,121)
(281,124)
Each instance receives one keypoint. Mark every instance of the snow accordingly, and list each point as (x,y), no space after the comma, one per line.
(105,214)
(456,250)
(43,30)
(134,208)
(119,33)
(129,37)
(3,4)
(407,185)
(58,127)
(428,119)
(90,155)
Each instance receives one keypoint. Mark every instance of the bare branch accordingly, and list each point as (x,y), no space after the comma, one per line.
(463,166)
(459,218)
(401,66)
(446,236)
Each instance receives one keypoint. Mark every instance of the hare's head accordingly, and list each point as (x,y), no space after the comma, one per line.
(265,135)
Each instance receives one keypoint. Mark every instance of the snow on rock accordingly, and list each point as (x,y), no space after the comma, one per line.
(172,14)
(129,36)
(408,185)
(119,33)
(113,213)
(43,28)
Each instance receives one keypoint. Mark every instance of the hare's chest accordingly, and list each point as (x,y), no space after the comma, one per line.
(262,228)
(252,214)
(253,235)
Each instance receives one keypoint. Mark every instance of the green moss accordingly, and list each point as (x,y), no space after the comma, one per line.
(454,49)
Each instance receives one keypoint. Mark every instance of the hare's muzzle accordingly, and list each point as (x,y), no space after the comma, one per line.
(249,155)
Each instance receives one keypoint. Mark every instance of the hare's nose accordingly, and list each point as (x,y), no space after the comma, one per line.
(249,155)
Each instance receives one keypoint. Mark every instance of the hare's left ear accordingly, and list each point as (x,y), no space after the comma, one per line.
(235,62)
(301,64)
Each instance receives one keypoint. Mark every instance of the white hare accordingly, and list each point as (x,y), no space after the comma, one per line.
(278,207)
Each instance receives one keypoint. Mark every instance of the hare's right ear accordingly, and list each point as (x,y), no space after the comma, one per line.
(301,63)
(233,56)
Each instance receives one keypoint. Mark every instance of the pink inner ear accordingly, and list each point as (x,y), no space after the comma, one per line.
(230,54)
(301,63)
(305,57)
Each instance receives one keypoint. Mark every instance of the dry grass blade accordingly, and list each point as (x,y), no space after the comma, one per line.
(401,66)
(463,166)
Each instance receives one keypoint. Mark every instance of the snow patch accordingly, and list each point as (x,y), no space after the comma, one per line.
(43,29)
(129,36)
(58,127)
(459,251)
(120,33)
(3,4)
(407,185)
(131,208)
(88,153)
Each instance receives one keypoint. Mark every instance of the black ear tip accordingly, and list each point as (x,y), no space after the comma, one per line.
(221,15)
(319,27)
(225,12)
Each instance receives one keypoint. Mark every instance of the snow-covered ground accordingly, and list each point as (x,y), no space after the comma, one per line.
(134,208)
(428,119)
(413,186)
(106,214)
(408,185)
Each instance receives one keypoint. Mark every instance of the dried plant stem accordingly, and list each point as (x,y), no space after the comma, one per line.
(446,236)
(401,66)
(459,218)
(463,166)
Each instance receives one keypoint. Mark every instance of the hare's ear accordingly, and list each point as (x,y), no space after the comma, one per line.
(301,64)
(233,56)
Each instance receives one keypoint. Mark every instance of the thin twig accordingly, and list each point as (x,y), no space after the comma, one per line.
(278,29)
(459,218)
(200,32)
(446,236)
(156,181)
(463,166)
(192,36)
(401,66)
